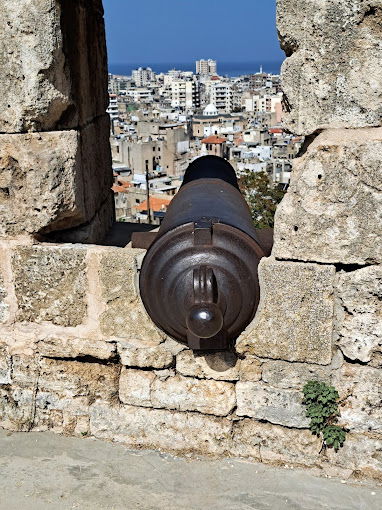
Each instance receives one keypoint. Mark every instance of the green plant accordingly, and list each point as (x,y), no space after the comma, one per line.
(262,197)
(321,403)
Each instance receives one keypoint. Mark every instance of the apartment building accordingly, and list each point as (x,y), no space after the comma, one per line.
(206,67)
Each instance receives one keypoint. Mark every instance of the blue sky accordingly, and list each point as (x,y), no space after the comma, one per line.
(159,31)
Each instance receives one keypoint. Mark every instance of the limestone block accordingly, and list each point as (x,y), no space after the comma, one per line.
(53,61)
(3,305)
(294,321)
(278,406)
(16,408)
(271,443)
(73,347)
(360,453)
(5,365)
(250,369)
(56,181)
(71,386)
(124,316)
(94,231)
(144,354)
(359,313)
(140,427)
(332,76)
(282,374)
(221,366)
(39,182)
(50,284)
(360,389)
(332,212)
(135,387)
(187,394)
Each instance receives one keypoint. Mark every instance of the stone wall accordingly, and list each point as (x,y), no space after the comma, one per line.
(78,354)
(55,163)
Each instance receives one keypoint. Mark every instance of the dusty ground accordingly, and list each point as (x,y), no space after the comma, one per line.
(40,471)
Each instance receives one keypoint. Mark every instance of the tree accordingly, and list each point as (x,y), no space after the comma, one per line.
(262,197)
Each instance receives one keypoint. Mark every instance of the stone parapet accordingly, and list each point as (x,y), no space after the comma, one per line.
(80,356)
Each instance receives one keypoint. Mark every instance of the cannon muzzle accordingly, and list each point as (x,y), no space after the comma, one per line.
(198,280)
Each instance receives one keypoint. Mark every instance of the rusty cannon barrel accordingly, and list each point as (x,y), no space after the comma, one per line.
(198,279)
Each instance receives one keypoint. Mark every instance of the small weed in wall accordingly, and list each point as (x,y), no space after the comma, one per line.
(321,403)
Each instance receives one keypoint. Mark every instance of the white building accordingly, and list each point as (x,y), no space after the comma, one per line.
(221,96)
(143,76)
(112,109)
(206,67)
(262,104)
(184,94)
(139,95)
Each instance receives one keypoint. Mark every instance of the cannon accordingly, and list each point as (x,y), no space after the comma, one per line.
(199,280)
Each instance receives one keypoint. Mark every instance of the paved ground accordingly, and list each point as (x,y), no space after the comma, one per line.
(40,471)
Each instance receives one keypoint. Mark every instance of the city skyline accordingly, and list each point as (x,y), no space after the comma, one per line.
(215,31)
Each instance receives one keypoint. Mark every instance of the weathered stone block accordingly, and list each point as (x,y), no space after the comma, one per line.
(332,211)
(135,387)
(278,406)
(294,321)
(50,284)
(183,433)
(3,304)
(144,354)
(186,394)
(72,347)
(250,369)
(16,408)
(40,184)
(271,443)
(360,389)
(359,313)
(71,386)
(55,181)
(221,366)
(360,453)
(332,76)
(5,365)
(124,316)
(53,60)
(282,374)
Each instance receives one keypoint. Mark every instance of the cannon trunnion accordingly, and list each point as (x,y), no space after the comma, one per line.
(198,280)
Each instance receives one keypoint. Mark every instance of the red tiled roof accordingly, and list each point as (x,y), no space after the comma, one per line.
(214,139)
(121,186)
(156,204)
(275,130)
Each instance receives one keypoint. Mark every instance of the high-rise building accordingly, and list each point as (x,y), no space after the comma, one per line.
(143,76)
(221,96)
(185,94)
(206,67)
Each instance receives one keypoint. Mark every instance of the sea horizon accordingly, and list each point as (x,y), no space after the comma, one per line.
(230,69)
